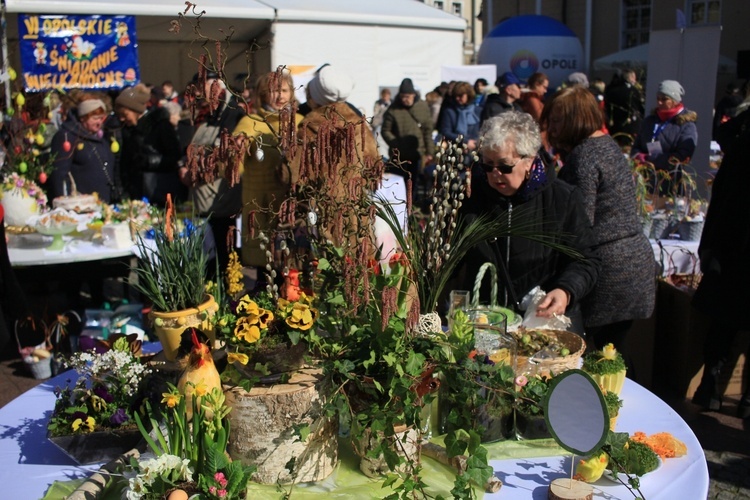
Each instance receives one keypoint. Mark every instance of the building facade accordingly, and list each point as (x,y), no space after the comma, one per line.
(608,26)
(470,10)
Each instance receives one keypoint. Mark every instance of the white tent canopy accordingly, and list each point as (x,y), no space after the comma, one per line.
(378,43)
(637,58)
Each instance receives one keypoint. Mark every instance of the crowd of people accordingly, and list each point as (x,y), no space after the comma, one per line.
(550,159)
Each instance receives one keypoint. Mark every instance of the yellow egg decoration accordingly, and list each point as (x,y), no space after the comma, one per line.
(12,74)
(115,147)
(20,99)
(79,147)
(39,138)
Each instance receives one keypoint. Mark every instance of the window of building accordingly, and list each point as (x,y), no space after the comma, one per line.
(457,9)
(636,22)
(704,12)
(438,4)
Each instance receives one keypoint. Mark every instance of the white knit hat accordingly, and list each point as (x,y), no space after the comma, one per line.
(329,86)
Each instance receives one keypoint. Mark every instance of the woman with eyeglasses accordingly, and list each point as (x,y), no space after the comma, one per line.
(594,162)
(515,180)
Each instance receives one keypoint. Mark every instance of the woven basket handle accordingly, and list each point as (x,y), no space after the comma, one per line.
(478,284)
(46,344)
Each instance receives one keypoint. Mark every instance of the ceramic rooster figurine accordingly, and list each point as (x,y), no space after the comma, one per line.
(200,375)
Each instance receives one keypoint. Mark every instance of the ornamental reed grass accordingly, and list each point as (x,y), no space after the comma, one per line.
(171,272)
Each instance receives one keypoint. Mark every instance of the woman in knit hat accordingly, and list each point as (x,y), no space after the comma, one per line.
(83,151)
(668,135)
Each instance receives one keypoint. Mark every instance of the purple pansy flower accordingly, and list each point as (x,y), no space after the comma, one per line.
(119,417)
(102,393)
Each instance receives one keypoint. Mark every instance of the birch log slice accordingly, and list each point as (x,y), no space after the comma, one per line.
(263,425)
(570,489)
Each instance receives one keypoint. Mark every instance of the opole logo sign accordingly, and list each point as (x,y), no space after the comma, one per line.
(84,52)
(528,44)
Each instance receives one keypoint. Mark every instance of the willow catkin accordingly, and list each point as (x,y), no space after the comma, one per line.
(251,224)
(408,196)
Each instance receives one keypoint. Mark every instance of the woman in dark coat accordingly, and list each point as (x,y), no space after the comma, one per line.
(515,180)
(723,293)
(626,289)
(83,150)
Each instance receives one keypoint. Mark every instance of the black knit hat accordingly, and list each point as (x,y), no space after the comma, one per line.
(407,87)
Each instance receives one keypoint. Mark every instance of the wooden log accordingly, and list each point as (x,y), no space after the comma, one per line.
(570,489)
(263,423)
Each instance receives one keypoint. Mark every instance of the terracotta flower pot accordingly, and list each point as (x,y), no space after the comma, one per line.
(169,326)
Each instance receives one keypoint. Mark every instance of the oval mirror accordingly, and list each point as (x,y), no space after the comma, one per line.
(575,412)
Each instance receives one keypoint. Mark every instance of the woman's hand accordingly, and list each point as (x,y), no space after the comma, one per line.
(553,303)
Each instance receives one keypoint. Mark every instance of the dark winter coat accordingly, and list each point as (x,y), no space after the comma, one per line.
(408,132)
(151,146)
(89,160)
(555,210)
(678,138)
(626,288)
(725,242)
(623,103)
(495,104)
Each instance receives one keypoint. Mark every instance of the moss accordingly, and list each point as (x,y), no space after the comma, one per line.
(595,363)
(614,403)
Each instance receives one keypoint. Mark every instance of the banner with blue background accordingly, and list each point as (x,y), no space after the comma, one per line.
(78,52)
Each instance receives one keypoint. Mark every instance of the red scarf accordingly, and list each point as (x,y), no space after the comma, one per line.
(667,114)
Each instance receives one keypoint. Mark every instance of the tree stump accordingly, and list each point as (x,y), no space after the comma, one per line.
(263,423)
(570,489)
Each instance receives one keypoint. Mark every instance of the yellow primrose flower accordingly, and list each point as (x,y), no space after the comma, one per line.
(237,357)
(302,317)
(247,306)
(609,351)
(171,399)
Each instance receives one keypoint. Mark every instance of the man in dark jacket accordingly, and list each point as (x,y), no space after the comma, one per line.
(623,103)
(407,128)
(506,100)
(150,147)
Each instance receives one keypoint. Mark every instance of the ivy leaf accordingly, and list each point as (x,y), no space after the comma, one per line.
(369,362)
(389,480)
(390,358)
(478,471)
(323,264)
(294,336)
(453,445)
(415,363)
(302,431)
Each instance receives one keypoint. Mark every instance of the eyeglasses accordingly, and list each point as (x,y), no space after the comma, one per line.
(504,168)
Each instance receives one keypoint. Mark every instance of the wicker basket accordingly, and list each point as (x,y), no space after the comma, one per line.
(512,322)
(42,368)
(575,344)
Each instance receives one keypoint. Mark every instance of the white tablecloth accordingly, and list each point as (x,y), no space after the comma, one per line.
(31,250)
(677,478)
(29,463)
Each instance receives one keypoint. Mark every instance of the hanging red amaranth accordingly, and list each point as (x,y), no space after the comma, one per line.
(412,318)
(219,55)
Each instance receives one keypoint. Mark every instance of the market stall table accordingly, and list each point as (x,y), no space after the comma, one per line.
(29,463)
(30,250)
